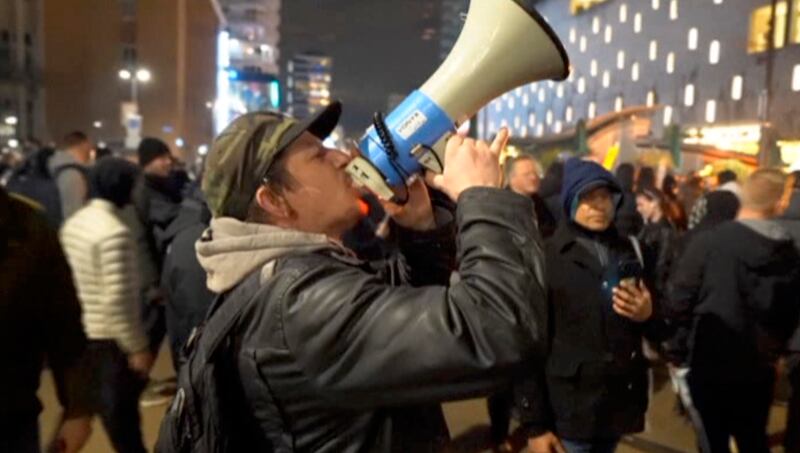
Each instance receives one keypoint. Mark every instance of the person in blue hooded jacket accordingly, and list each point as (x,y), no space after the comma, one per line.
(594,387)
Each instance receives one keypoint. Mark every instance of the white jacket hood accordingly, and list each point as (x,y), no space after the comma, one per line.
(230,249)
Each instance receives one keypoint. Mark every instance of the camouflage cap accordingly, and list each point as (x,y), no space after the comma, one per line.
(243,153)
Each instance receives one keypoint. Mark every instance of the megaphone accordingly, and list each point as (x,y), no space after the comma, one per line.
(504,44)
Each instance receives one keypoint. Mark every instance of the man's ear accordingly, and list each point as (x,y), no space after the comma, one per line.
(276,206)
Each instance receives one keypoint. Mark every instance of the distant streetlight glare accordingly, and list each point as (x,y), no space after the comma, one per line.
(143,75)
(124,74)
(11,120)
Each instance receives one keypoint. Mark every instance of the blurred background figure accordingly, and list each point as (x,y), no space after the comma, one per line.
(628,220)
(40,320)
(101,250)
(524,178)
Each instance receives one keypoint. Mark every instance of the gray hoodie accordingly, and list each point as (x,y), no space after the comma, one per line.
(73,187)
(230,250)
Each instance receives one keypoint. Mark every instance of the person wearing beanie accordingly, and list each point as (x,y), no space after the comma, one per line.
(594,387)
(100,249)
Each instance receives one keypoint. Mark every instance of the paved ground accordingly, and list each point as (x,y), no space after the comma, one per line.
(468,420)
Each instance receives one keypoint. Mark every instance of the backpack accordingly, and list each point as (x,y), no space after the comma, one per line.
(200,418)
(34,181)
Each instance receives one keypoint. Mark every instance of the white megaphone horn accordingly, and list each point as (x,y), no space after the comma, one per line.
(504,44)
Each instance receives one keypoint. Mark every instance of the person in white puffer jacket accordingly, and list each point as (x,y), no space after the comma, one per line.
(101,251)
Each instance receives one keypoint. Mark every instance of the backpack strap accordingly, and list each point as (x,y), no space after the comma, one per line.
(637,248)
(225,312)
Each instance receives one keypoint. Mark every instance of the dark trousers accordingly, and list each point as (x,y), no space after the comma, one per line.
(738,409)
(154,324)
(500,415)
(115,391)
(792,439)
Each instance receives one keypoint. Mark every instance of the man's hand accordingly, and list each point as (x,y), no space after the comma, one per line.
(633,301)
(546,443)
(141,362)
(470,163)
(72,436)
(417,213)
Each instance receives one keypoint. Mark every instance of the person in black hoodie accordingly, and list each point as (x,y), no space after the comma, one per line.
(791,221)
(593,389)
(739,284)
(550,189)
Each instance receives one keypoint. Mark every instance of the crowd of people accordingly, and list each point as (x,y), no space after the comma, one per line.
(323,319)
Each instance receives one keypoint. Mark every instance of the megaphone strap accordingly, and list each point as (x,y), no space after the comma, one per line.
(391,152)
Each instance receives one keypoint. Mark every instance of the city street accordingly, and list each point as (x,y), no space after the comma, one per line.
(468,421)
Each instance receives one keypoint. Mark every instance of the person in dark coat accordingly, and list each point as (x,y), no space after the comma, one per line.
(183,279)
(524,179)
(658,236)
(628,221)
(40,319)
(550,190)
(738,283)
(791,221)
(593,389)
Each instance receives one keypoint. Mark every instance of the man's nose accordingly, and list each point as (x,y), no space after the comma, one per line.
(339,158)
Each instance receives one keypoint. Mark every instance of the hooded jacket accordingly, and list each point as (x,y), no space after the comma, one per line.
(335,357)
(739,284)
(594,384)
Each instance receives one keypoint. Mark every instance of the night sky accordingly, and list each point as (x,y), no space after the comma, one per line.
(377,48)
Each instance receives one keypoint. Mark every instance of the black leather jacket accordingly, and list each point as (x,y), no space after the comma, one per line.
(344,361)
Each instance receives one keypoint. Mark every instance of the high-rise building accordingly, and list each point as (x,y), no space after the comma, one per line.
(20,71)
(453,13)
(706,65)
(249,71)
(108,61)
(308,83)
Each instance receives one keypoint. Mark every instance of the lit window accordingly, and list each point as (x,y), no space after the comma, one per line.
(532,120)
(492,127)
(621,59)
(573,35)
(539,130)
(635,72)
(568,114)
(505,96)
(653,50)
(557,128)
(688,95)
(526,100)
(581,85)
(717,2)
(758,40)
(736,88)
(711,111)
(524,131)
(578,6)
(592,110)
(511,103)
(498,106)
(667,115)
(517,122)
(618,104)
(518,91)
(671,63)
(693,36)
(560,91)
(593,68)
(606,79)
(609,34)
(651,98)
(583,44)
(637,23)
(533,87)
(656,5)
(504,123)
(796,78)
(713,52)
(623,13)
(673,9)
(541,95)
(596,25)
(549,117)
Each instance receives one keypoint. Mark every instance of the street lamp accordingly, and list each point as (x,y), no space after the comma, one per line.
(140,75)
